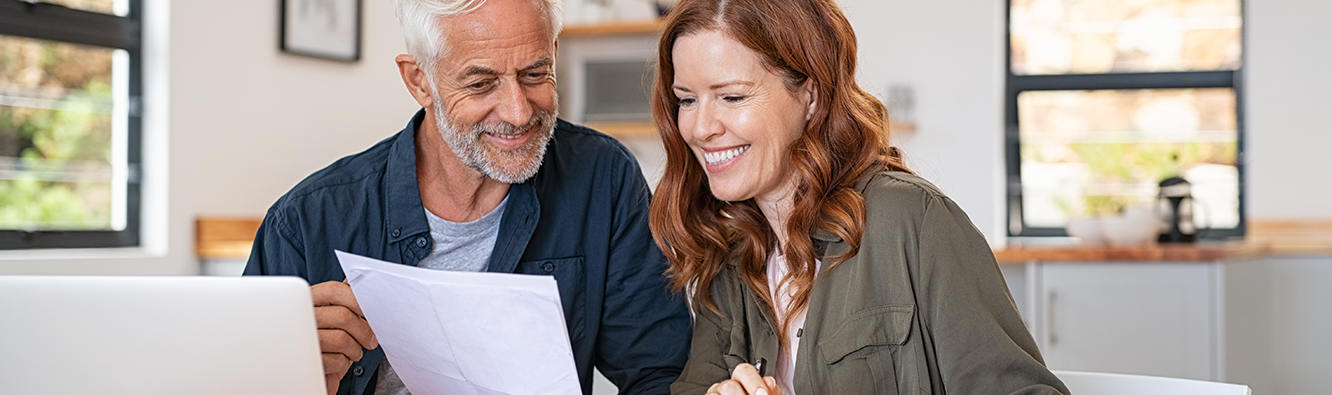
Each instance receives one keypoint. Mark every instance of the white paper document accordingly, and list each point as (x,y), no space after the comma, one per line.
(463,333)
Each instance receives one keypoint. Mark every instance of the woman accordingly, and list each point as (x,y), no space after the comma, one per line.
(809,247)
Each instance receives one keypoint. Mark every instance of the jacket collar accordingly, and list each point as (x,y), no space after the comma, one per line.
(820,235)
(404,211)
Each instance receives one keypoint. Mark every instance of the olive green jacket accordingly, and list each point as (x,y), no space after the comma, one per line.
(920,309)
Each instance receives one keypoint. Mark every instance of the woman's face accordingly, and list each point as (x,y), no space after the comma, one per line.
(737,116)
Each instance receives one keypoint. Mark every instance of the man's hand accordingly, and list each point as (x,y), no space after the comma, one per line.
(745,380)
(343,331)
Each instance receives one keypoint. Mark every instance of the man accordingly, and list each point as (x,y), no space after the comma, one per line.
(485,178)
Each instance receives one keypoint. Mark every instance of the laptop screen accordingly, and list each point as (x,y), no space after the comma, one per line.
(158,335)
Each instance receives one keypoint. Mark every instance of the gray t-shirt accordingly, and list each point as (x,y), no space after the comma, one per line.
(459,246)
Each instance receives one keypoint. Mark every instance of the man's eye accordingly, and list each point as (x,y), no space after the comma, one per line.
(480,85)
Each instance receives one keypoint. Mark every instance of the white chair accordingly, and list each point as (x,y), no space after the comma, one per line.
(1091,383)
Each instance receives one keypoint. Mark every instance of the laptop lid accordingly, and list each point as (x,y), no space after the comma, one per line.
(158,335)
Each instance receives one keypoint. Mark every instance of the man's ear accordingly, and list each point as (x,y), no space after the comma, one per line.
(415,78)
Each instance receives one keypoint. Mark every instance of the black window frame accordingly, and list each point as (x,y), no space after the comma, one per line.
(1016,84)
(52,22)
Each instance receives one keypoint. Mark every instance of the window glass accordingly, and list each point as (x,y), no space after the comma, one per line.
(1094,152)
(59,122)
(1113,36)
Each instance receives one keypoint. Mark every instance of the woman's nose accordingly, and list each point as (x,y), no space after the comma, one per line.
(706,125)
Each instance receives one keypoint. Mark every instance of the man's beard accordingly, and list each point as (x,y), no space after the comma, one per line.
(508,166)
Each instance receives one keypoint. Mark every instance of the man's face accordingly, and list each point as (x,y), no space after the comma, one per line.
(494,88)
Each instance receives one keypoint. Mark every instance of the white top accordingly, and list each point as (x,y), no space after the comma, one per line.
(782,294)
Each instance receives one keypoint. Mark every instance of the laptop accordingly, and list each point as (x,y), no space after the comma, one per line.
(158,335)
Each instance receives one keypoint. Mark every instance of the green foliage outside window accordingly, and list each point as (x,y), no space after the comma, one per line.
(55,135)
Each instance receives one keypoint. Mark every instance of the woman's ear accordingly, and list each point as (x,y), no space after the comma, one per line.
(811,94)
(415,78)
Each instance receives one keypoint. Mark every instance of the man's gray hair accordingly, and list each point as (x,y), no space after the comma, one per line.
(420,24)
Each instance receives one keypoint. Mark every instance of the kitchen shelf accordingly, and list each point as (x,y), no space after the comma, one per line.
(225,237)
(626,129)
(612,28)
(649,129)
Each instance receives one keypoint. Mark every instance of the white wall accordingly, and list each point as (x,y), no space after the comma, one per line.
(1289,112)
(951,54)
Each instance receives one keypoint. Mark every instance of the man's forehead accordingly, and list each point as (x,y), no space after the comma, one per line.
(498,19)
(521,39)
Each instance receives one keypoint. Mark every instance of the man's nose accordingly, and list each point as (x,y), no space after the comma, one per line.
(514,106)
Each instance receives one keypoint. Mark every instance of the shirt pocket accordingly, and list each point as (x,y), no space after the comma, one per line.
(861,352)
(569,280)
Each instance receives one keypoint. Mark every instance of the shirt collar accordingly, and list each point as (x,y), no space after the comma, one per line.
(406,213)
(403,207)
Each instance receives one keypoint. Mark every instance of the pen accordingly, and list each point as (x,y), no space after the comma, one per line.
(759,366)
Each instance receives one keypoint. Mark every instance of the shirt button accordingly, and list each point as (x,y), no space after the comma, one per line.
(420,242)
(396,232)
(548,266)
(358,370)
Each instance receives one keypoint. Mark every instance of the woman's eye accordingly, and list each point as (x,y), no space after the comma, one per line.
(733,98)
(685,101)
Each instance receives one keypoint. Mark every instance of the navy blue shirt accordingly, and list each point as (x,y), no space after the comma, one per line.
(582,218)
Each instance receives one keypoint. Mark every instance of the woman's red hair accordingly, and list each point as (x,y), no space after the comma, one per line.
(847,136)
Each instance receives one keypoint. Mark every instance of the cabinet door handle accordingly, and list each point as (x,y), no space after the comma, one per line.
(1050,319)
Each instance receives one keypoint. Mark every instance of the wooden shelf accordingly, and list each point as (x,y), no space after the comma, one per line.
(224,237)
(649,129)
(612,28)
(626,129)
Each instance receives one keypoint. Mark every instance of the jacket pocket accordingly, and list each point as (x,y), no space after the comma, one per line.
(877,326)
(569,281)
(862,352)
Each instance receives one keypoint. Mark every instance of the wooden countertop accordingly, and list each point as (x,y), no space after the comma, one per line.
(231,237)
(1265,237)
(1205,252)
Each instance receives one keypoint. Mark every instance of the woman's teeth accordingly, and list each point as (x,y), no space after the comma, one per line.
(719,157)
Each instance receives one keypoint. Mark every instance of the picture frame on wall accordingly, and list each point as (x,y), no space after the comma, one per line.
(328,29)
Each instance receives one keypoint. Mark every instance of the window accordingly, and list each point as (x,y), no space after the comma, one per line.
(70,75)
(1106,98)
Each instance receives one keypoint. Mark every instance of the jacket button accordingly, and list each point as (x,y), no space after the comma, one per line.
(548,266)
(420,242)
(358,370)
(396,232)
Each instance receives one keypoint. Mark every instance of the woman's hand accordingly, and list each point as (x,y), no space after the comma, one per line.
(745,380)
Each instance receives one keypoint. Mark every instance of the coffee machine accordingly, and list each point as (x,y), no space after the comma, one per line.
(1175,206)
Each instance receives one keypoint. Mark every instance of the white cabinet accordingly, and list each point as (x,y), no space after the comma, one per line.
(1159,319)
